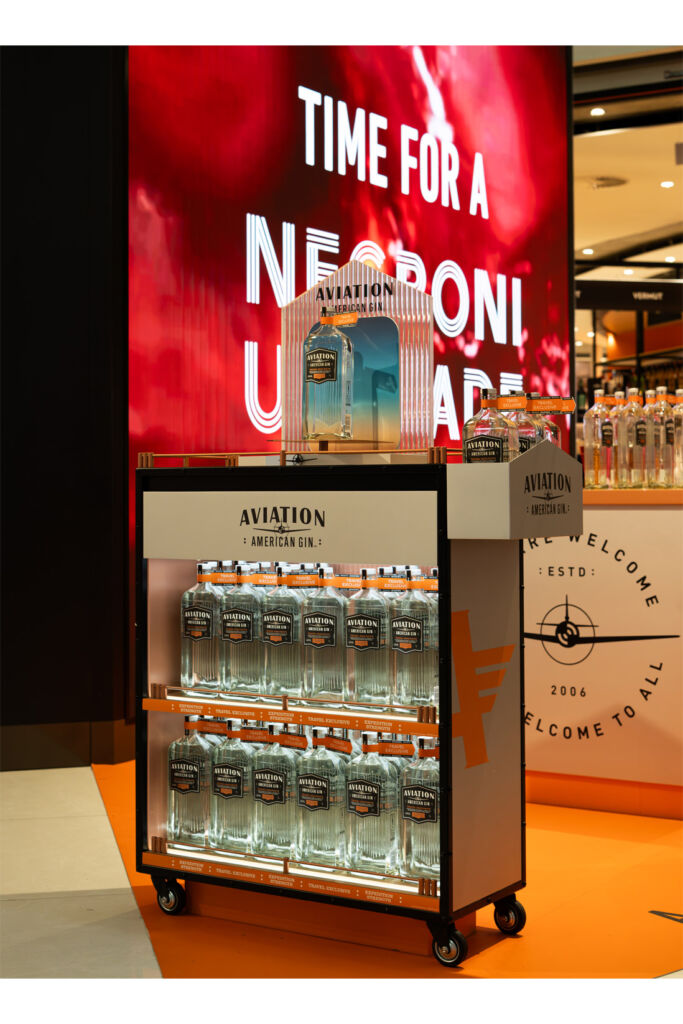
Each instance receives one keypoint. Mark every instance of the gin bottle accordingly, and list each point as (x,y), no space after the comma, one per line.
(367,641)
(281,632)
(231,803)
(631,442)
(189,772)
(371,813)
(660,440)
(328,382)
(320,805)
(198,632)
(241,650)
(489,436)
(615,409)
(274,793)
(420,825)
(597,444)
(514,408)
(412,619)
(323,638)
(678,439)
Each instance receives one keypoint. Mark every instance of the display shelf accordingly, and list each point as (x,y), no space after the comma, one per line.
(294,876)
(295,712)
(636,496)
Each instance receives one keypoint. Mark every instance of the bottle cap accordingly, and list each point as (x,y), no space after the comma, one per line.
(662,389)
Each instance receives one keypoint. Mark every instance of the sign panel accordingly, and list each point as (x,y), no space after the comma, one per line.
(603,652)
(367,527)
(539,494)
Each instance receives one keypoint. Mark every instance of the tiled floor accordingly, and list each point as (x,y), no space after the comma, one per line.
(66,907)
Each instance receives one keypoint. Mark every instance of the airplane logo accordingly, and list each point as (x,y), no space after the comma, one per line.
(569,638)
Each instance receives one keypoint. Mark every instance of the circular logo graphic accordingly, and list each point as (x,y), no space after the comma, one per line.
(567,633)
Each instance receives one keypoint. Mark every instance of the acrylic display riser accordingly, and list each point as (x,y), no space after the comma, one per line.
(466,519)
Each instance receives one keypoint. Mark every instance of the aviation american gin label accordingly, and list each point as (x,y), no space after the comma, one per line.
(183,776)
(228,781)
(313,792)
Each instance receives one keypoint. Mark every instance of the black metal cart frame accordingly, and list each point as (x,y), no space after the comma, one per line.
(449,945)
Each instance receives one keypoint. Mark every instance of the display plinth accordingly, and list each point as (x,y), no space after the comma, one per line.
(359,515)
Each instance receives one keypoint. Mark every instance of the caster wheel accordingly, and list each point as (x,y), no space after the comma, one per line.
(172,899)
(454,953)
(509,916)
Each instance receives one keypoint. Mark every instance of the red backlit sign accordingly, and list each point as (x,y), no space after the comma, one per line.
(254,172)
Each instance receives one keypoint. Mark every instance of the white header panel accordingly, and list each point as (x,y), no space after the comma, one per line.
(309,526)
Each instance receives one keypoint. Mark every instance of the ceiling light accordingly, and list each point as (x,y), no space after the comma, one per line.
(576,330)
(587,252)
(597,112)
(627,270)
(610,339)
(591,334)
(666,184)
(579,344)
(669,259)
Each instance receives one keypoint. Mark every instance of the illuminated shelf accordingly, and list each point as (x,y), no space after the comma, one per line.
(291,711)
(379,889)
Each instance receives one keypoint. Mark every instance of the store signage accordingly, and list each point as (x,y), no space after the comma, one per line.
(652,294)
(255,172)
(603,647)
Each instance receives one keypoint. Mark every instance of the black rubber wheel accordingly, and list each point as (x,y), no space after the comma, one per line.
(454,953)
(172,899)
(509,916)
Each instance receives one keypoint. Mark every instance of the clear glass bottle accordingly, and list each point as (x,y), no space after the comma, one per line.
(489,436)
(660,438)
(321,805)
(231,803)
(281,631)
(597,454)
(328,382)
(514,408)
(189,774)
(533,398)
(199,632)
(366,631)
(678,439)
(274,793)
(323,638)
(615,408)
(631,442)
(420,816)
(240,657)
(552,407)
(371,813)
(412,622)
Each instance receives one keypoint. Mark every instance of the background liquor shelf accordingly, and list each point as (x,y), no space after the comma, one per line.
(467,521)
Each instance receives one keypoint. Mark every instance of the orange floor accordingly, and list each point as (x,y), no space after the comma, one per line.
(594,880)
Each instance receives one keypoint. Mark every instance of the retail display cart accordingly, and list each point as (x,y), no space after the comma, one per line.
(466,519)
